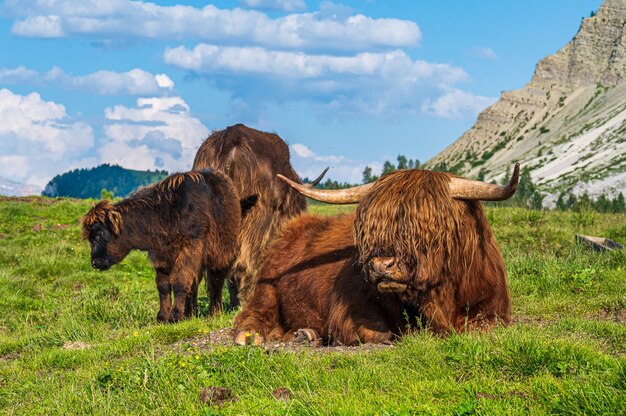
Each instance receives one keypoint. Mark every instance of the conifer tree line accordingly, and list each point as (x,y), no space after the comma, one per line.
(108,181)
(527,195)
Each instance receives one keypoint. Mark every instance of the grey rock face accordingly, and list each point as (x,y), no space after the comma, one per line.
(567,124)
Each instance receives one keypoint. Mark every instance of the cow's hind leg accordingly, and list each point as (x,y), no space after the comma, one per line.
(191,304)
(214,285)
(233,291)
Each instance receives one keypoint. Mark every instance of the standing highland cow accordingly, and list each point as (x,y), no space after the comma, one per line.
(419,238)
(188,223)
(252,158)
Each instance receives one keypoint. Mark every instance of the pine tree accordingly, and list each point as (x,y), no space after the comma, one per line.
(402,162)
(367,175)
(618,204)
(388,167)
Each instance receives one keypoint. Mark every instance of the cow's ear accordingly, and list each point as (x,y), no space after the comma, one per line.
(248,203)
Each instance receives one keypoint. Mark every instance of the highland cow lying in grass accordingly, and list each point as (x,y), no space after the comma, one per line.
(188,223)
(418,247)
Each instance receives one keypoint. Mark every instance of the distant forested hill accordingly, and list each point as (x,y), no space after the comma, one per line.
(88,183)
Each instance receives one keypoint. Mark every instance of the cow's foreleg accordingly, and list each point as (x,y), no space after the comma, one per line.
(438,309)
(183,278)
(259,318)
(164,287)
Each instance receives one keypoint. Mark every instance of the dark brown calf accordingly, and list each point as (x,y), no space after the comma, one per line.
(188,223)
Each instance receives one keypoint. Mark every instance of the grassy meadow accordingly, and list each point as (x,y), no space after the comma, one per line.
(77,341)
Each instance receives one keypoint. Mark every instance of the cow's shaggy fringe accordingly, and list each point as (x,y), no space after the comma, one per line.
(457,273)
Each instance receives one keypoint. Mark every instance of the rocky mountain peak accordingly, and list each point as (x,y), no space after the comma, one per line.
(596,54)
(567,125)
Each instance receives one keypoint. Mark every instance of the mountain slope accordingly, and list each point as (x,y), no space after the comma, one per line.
(567,125)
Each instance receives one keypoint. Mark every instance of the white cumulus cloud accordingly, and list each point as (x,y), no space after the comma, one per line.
(37,138)
(133,82)
(205,58)
(381,84)
(158,133)
(309,164)
(483,52)
(457,104)
(284,5)
(126,18)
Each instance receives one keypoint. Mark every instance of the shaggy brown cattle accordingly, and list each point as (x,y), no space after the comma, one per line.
(188,223)
(252,158)
(418,245)
(310,281)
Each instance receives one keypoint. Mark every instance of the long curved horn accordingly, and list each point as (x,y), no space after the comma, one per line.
(335,196)
(468,189)
(318,179)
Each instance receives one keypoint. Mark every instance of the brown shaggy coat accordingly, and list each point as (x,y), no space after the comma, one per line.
(311,280)
(410,256)
(252,158)
(437,253)
(189,222)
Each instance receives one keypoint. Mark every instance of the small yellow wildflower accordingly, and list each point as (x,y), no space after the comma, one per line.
(197,357)
(182,364)
(136,333)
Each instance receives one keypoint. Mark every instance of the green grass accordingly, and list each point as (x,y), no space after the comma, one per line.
(564,354)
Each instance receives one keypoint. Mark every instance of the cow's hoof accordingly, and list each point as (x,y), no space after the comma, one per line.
(248,338)
(307,335)
(163,317)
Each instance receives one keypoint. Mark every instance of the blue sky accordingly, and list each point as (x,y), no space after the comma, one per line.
(345,83)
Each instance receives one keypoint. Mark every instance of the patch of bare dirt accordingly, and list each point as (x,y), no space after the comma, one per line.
(282,394)
(614,314)
(531,320)
(10,357)
(217,395)
(224,338)
(75,345)
(40,227)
